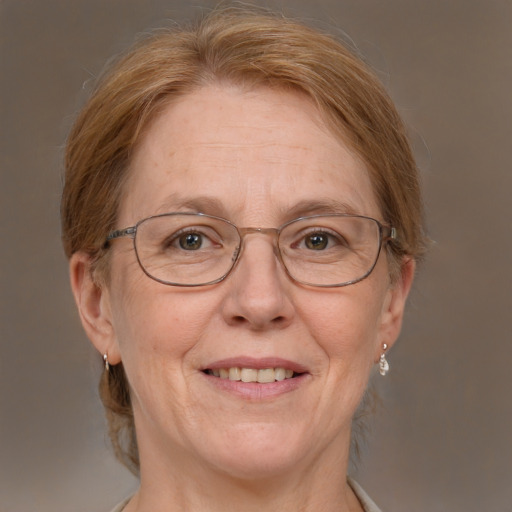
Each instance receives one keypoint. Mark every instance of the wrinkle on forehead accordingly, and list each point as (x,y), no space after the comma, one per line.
(257,154)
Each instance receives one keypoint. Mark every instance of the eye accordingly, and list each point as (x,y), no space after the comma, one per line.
(191,241)
(320,240)
(317,241)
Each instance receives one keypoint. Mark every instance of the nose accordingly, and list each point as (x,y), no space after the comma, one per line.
(259,290)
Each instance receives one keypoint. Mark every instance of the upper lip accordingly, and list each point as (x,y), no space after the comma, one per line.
(259,363)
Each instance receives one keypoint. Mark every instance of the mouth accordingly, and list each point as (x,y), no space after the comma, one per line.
(257,378)
(259,375)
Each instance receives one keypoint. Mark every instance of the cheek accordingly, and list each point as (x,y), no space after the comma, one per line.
(345,325)
(159,330)
(164,322)
(152,320)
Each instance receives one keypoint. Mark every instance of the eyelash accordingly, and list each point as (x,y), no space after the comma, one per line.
(174,238)
(332,235)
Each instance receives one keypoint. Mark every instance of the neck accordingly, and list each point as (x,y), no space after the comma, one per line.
(184,484)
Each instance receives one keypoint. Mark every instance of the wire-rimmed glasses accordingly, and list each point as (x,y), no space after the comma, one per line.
(195,249)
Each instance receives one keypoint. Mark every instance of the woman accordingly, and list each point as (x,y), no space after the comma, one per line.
(242,216)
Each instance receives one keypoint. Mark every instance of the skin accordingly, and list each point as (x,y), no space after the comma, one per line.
(250,157)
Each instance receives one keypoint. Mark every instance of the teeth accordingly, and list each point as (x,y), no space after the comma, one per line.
(280,373)
(253,375)
(234,374)
(249,375)
(267,375)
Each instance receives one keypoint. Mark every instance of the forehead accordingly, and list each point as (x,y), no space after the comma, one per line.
(255,156)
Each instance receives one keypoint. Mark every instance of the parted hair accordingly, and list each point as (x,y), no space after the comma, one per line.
(250,48)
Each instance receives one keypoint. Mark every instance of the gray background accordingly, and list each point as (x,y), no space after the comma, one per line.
(442,440)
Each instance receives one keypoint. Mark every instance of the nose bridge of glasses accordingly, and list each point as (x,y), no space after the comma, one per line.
(273,232)
(264,231)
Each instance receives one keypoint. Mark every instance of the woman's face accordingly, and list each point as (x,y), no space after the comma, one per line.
(259,159)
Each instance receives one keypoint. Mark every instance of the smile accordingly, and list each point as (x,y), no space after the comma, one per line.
(262,376)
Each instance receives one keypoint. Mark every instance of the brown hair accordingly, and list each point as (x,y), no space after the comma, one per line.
(247,47)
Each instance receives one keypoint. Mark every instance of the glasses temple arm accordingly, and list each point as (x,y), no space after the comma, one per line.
(389,234)
(119,233)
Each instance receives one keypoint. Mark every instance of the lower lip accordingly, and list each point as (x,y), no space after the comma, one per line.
(255,390)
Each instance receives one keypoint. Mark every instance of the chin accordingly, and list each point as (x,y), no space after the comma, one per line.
(257,451)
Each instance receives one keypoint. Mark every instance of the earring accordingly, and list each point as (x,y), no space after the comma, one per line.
(105,361)
(383,364)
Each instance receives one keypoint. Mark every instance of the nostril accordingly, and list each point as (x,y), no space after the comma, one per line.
(241,320)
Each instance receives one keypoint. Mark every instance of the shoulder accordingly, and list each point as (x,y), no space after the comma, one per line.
(366,501)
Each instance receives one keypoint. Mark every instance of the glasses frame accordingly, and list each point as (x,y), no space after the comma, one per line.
(386,234)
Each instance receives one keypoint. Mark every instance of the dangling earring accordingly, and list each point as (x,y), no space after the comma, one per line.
(383,364)
(105,361)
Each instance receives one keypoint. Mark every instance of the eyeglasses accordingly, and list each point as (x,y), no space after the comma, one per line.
(195,249)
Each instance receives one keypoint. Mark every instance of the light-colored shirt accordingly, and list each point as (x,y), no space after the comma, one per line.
(366,501)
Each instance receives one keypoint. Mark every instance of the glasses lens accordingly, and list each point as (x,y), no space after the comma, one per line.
(186,249)
(330,250)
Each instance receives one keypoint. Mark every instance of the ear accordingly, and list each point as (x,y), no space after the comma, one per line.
(93,302)
(394,305)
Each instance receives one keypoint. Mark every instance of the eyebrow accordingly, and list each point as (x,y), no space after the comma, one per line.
(213,206)
(199,204)
(319,206)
